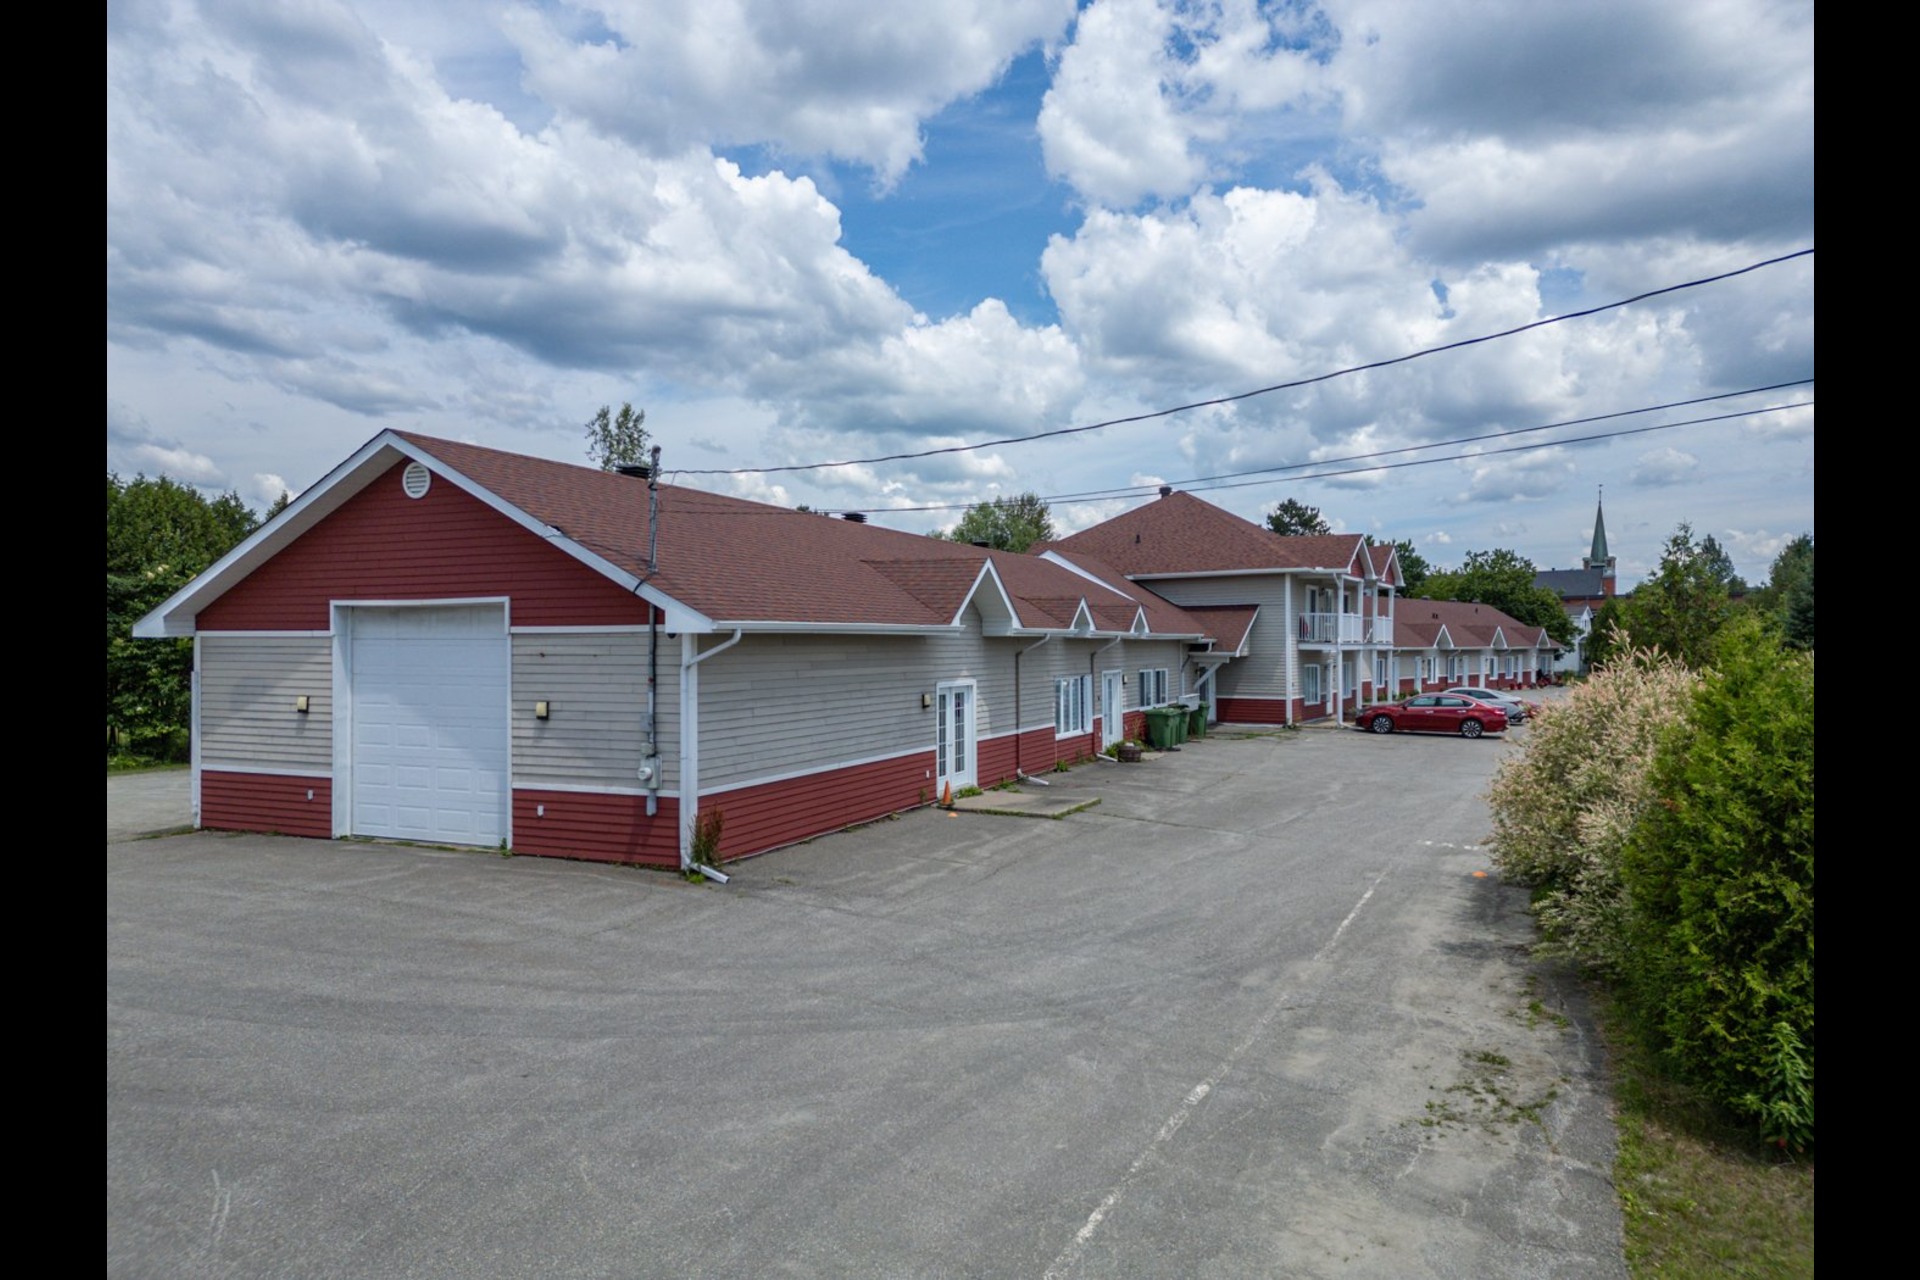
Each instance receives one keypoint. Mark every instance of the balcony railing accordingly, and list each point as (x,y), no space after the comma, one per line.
(1331,628)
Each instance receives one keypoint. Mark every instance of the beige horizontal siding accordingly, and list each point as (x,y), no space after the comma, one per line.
(596,686)
(1262,673)
(776,705)
(247,689)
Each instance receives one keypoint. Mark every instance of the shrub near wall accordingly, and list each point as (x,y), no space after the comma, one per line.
(1564,807)
(1719,880)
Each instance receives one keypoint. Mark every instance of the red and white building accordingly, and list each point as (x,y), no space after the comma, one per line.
(447,643)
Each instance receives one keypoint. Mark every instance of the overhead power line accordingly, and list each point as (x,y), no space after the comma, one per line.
(1233,480)
(1258,391)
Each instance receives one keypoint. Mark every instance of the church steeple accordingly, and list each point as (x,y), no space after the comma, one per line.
(1597,557)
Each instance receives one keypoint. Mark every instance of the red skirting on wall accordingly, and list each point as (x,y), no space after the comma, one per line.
(1253,710)
(772,814)
(272,802)
(596,827)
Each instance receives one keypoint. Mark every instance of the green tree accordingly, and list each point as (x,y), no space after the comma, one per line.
(1799,612)
(1414,569)
(617,439)
(1503,579)
(1683,606)
(1005,524)
(1719,881)
(1294,518)
(1720,565)
(160,533)
(1604,638)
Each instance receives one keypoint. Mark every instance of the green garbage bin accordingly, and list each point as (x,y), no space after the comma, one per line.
(1179,724)
(1197,722)
(1160,726)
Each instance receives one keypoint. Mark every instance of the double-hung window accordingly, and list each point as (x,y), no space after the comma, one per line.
(1310,682)
(1153,687)
(1072,706)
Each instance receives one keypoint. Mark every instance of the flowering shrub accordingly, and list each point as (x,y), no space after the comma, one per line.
(1564,807)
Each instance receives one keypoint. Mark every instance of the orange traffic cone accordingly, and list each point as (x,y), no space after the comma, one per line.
(946,797)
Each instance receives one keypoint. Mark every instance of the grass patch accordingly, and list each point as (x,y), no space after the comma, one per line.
(1698,1195)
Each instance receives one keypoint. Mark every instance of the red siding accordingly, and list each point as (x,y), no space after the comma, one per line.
(383,545)
(994,759)
(1253,710)
(266,802)
(598,828)
(758,818)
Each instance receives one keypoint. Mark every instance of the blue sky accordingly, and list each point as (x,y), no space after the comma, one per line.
(799,233)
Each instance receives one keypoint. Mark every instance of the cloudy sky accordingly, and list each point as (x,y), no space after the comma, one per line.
(802,231)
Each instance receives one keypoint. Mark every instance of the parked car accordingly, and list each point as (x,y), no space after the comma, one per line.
(1436,713)
(1518,709)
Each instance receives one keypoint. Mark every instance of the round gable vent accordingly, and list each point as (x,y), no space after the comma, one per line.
(415,479)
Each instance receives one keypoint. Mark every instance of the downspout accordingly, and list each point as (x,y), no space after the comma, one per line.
(650,760)
(1018,772)
(690,660)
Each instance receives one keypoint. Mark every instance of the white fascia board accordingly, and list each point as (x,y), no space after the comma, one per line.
(1220,573)
(1445,639)
(1081,614)
(1052,557)
(837,628)
(1499,639)
(679,617)
(1007,614)
(174,617)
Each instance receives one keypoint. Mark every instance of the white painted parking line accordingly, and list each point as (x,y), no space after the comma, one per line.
(1070,1255)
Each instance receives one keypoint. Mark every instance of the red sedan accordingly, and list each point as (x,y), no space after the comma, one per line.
(1436,713)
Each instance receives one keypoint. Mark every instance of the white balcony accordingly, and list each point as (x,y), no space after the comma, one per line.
(1332,628)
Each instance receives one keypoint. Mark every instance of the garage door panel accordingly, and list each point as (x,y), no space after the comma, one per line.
(430,740)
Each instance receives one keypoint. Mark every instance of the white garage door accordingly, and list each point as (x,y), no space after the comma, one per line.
(430,689)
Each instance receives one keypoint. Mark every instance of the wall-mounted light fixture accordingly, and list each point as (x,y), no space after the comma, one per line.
(540,710)
(300,703)
(926,701)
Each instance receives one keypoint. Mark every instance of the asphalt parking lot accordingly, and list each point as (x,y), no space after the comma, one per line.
(1256,1013)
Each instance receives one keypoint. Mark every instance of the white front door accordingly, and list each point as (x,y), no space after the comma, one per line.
(1113,716)
(954,762)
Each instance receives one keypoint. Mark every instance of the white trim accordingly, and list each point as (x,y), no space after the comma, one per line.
(990,624)
(437,602)
(341,629)
(768,779)
(690,659)
(367,464)
(967,775)
(1238,573)
(1056,558)
(264,635)
(595,789)
(1083,688)
(194,762)
(765,780)
(834,628)
(273,771)
(605,628)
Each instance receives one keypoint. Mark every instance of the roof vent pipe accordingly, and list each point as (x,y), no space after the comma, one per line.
(854,517)
(1166,491)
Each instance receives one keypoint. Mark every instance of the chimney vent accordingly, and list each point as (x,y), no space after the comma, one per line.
(638,470)
(1166,491)
(854,517)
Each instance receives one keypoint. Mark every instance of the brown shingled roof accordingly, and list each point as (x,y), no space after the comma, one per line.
(740,561)
(1182,534)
